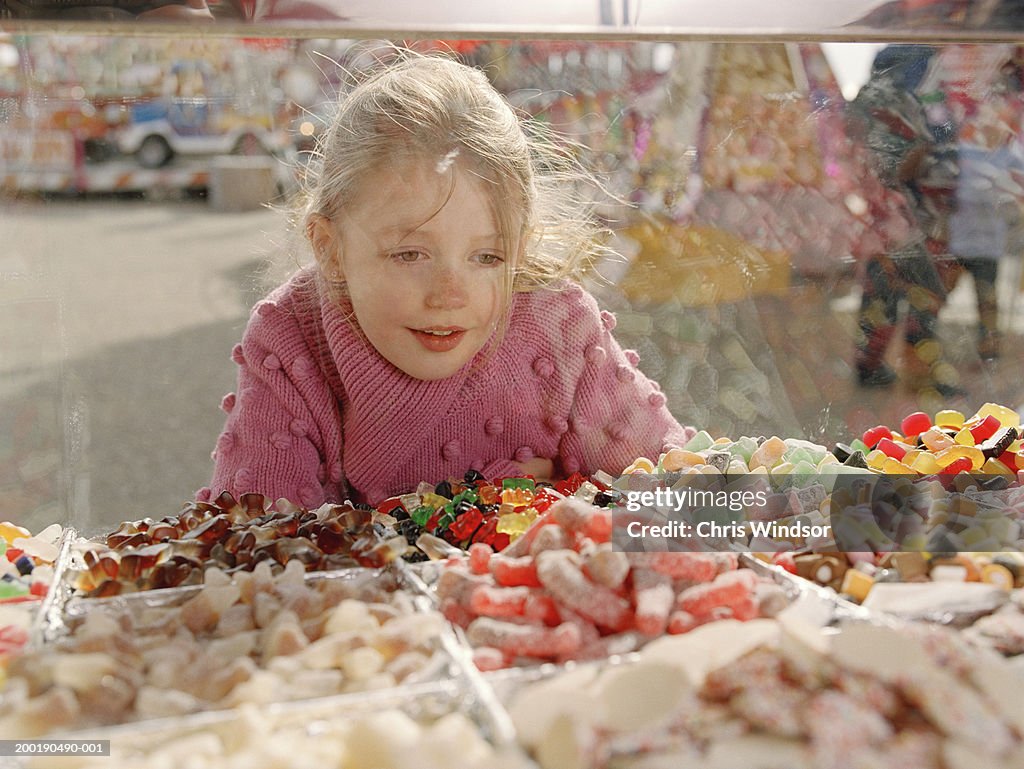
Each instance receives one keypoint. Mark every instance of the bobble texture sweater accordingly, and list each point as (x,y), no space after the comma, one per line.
(320,416)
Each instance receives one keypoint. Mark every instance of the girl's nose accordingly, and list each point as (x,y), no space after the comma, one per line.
(445,291)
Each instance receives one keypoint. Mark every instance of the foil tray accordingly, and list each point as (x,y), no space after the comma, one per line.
(451,664)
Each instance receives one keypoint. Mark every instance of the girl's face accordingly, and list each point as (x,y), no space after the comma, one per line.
(424,262)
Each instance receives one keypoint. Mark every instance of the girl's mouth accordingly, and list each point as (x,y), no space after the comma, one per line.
(439,339)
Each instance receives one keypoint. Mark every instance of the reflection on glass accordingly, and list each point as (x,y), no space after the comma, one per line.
(746,208)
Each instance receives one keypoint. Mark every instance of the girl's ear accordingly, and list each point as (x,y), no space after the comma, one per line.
(326,244)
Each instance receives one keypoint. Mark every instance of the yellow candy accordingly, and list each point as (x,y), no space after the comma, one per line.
(911,456)
(513,524)
(857,584)
(768,453)
(677,459)
(953,453)
(434,501)
(783,468)
(936,440)
(914,542)
(973,535)
(1007,417)
(994,467)
(876,458)
(640,465)
(517,497)
(948,418)
(994,574)
(925,464)
(964,437)
(893,466)
(11,532)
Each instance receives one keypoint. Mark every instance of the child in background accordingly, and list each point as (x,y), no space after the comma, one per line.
(441,327)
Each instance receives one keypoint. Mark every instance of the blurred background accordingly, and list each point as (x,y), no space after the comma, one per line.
(145,182)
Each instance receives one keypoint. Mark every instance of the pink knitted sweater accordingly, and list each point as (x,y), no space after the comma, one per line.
(321,416)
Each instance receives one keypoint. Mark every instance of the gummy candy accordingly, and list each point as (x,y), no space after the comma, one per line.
(695,567)
(491,601)
(525,640)
(654,599)
(513,572)
(915,424)
(728,590)
(566,582)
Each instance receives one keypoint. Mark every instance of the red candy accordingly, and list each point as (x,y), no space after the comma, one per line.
(480,558)
(513,572)
(961,465)
(695,567)
(730,590)
(488,601)
(874,434)
(567,583)
(786,560)
(654,599)
(985,429)
(527,640)
(890,448)
(1011,460)
(522,545)
(915,424)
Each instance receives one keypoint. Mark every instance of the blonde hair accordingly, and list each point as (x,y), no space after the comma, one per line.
(433,107)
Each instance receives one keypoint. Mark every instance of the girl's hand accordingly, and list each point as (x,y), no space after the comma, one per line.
(541,469)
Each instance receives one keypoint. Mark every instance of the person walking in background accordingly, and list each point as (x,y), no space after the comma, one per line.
(917,160)
(987,209)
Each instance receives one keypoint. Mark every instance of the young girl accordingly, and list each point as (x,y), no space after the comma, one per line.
(438,330)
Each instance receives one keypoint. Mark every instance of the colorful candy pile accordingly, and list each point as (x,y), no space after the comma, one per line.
(988,443)
(475,510)
(233,536)
(491,513)
(974,518)
(26,571)
(775,694)
(560,592)
(26,561)
(253,638)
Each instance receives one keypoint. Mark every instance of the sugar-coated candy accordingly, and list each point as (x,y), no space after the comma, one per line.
(489,601)
(696,567)
(488,658)
(732,589)
(513,572)
(606,566)
(480,557)
(526,640)
(564,579)
(654,599)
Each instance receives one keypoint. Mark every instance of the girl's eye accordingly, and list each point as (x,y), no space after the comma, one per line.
(407,256)
(489,259)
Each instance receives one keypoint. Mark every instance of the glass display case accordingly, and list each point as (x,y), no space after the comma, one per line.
(810,240)
(139,151)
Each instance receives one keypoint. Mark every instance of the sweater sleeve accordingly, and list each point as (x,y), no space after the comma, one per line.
(617,414)
(272,443)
